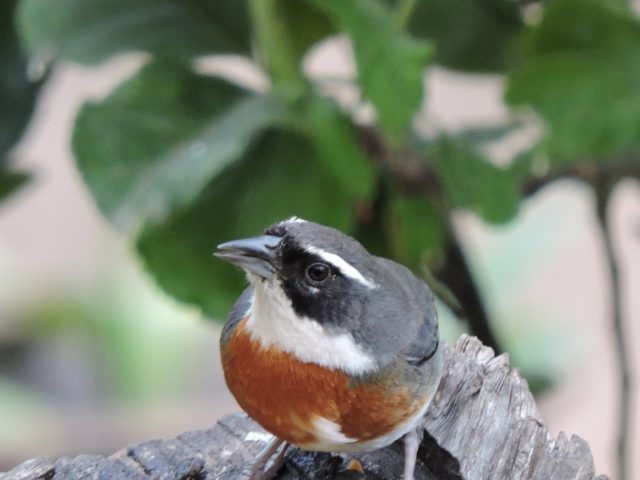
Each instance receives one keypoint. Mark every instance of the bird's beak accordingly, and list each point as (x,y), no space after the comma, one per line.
(257,255)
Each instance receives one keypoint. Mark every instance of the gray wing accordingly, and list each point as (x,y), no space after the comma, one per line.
(427,337)
(406,317)
(237,313)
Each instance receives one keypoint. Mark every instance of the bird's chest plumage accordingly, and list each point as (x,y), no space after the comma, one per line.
(310,405)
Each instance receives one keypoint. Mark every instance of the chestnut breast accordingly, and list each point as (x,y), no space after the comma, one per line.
(293,399)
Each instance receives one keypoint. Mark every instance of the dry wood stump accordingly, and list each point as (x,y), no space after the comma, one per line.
(483,424)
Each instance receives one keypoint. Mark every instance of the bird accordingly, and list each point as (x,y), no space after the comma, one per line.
(329,348)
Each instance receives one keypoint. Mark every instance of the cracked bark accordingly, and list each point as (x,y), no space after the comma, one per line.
(483,424)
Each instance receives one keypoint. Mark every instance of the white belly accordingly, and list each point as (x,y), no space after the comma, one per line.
(331,439)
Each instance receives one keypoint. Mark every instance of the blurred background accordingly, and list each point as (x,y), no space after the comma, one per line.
(492,147)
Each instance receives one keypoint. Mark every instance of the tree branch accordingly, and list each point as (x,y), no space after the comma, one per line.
(456,274)
(275,48)
(603,189)
(588,173)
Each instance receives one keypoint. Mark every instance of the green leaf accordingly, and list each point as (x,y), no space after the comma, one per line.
(335,139)
(283,32)
(469,35)
(89,31)
(17,92)
(419,230)
(10,182)
(597,25)
(306,25)
(470,181)
(390,62)
(583,80)
(156,142)
(279,177)
(18,96)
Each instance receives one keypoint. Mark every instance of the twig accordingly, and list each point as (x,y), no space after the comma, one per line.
(403,12)
(603,189)
(456,274)
(416,173)
(587,172)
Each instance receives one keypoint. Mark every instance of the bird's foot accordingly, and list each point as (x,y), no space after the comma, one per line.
(355,466)
(259,469)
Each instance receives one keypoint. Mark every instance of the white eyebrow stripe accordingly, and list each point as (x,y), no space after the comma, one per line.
(346,268)
(293,219)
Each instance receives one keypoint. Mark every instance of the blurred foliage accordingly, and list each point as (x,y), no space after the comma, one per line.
(117,340)
(89,31)
(471,181)
(582,77)
(473,36)
(183,160)
(390,62)
(17,96)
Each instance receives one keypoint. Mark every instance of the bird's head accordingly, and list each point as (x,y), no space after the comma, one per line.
(312,288)
(316,267)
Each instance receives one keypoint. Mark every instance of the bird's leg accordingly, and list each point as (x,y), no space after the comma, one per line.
(277,463)
(412,442)
(257,467)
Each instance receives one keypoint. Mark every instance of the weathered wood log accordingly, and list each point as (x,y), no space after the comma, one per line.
(483,424)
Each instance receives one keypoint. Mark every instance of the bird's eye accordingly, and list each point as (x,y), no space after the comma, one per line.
(318,272)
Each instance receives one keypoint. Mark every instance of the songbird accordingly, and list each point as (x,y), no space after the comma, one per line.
(330,348)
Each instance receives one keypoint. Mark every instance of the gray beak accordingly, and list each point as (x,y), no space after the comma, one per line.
(257,255)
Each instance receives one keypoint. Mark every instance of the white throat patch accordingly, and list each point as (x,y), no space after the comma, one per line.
(273,322)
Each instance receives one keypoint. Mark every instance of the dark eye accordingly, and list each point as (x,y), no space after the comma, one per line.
(318,272)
